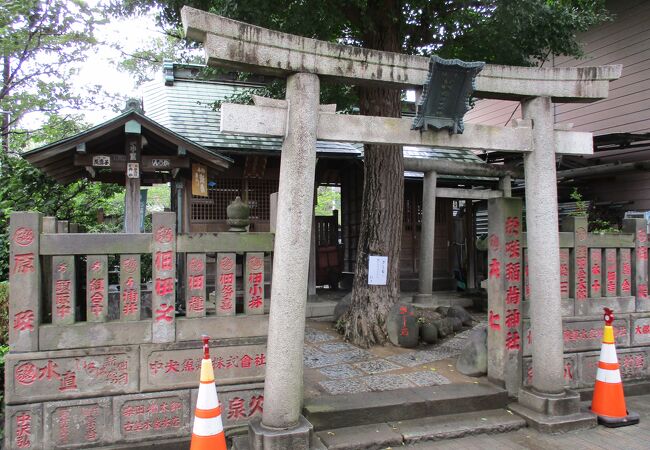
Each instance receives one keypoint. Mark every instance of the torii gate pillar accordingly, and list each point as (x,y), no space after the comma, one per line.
(282,426)
(547,405)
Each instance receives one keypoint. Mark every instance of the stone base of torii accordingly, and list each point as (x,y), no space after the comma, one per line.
(300,120)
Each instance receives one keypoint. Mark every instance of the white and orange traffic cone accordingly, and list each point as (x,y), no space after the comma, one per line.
(608,402)
(207,433)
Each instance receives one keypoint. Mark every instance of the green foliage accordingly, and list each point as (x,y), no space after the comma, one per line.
(41,44)
(581,205)
(25,188)
(328,199)
(518,32)
(4,313)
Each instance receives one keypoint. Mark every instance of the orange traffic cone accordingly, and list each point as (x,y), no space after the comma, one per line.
(207,433)
(608,402)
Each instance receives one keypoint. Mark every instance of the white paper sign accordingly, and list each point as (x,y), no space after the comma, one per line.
(133,170)
(377,270)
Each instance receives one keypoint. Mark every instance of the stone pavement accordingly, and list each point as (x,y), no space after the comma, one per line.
(635,437)
(335,367)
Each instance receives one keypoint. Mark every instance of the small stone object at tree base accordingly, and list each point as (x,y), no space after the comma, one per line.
(473,360)
(402,326)
(429,333)
(445,327)
(461,313)
(341,307)
(456,323)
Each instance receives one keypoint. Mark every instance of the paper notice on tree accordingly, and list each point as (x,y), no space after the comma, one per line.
(377,270)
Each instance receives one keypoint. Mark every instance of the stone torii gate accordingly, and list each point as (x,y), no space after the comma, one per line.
(300,120)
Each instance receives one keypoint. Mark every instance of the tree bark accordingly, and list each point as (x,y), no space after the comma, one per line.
(383,197)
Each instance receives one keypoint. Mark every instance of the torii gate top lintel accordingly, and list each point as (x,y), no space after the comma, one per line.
(241,46)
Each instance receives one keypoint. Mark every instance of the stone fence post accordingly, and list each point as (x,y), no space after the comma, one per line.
(24,281)
(640,258)
(505,345)
(163,297)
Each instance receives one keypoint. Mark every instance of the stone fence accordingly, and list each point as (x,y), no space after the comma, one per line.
(596,271)
(92,365)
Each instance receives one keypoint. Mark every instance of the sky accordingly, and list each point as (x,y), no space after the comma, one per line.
(100,66)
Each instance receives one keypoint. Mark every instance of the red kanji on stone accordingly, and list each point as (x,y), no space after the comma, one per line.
(226,264)
(130,301)
(495,268)
(493,320)
(163,235)
(172,366)
(24,263)
(49,371)
(164,313)
(260,360)
(627,268)
(255,302)
(246,361)
(625,286)
(512,318)
(24,321)
(130,265)
(164,286)
(26,373)
(642,253)
(236,407)
(642,290)
(256,404)
(513,295)
(512,225)
(226,278)
(196,265)
(23,430)
(595,269)
(564,270)
(68,381)
(195,281)
(513,249)
(595,286)
(513,271)
(513,340)
(196,303)
(96,266)
(164,260)
(23,236)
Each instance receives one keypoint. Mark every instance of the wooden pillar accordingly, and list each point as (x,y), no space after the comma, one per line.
(133,148)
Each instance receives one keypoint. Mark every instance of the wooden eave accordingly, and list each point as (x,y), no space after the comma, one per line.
(57,159)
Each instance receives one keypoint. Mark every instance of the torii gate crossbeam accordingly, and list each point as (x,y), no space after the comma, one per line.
(241,46)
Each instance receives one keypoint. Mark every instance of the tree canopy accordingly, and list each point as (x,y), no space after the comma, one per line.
(515,32)
(42,43)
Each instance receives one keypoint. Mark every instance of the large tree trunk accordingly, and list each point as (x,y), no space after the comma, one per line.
(383,197)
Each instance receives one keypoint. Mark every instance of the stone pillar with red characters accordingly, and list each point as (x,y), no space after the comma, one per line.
(580,255)
(225,286)
(24,281)
(130,301)
(505,292)
(64,298)
(254,283)
(97,288)
(195,285)
(640,259)
(163,304)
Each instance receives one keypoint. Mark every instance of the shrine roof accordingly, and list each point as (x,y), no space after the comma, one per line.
(57,159)
(184,103)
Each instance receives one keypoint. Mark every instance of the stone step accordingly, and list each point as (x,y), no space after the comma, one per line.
(396,434)
(338,411)
(241,443)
